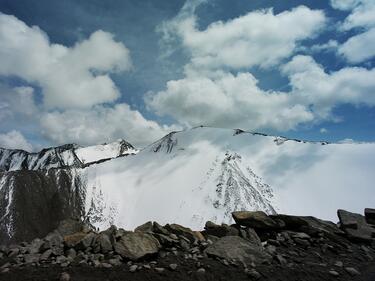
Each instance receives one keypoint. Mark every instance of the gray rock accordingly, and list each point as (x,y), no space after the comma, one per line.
(146,227)
(159,269)
(65,276)
(201,271)
(257,220)
(237,249)
(35,246)
(53,239)
(45,255)
(352,271)
(339,264)
(157,228)
(220,230)
(181,230)
(104,243)
(253,274)
(31,258)
(133,268)
(356,227)
(71,254)
(173,266)
(370,215)
(334,273)
(250,235)
(301,235)
(70,226)
(136,245)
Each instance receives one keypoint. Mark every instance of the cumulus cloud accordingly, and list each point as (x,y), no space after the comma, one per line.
(257,38)
(322,91)
(76,76)
(102,124)
(228,100)
(14,140)
(16,102)
(357,49)
(362,16)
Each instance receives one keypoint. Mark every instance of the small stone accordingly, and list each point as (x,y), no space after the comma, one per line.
(65,276)
(5,270)
(253,274)
(106,265)
(201,271)
(352,271)
(339,264)
(147,266)
(173,266)
(333,273)
(159,269)
(281,259)
(133,268)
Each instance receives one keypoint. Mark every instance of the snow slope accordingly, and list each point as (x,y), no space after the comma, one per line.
(203,174)
(96,153)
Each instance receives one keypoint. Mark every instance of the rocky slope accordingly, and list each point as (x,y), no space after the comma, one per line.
(256,247)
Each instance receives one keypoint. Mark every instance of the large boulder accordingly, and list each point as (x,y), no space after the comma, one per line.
(79,240)
(356,227)
(70,226)
(235,248)
(257,220)
(307,224)
(135,245)
(370,215)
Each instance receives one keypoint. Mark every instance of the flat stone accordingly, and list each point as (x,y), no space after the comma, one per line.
(135,245)
(220,230)
(237,249)
(334,273)
(352,271)
(173,266)
(257,220)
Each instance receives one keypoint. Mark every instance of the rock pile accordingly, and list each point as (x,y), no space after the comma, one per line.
(255,241)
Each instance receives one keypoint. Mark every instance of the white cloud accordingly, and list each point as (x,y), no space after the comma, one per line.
(14,140)
(331,45)
(312,86)
(359,47)
(227,100)
(257,38)
(323,130)
(69,76)
(101,124)
(16,102)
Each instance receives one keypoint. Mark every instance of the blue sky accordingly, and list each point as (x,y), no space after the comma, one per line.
(94,71)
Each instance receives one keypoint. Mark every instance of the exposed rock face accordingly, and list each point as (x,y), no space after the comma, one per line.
(356,227)
(136,245)
(237,249)
(32,203)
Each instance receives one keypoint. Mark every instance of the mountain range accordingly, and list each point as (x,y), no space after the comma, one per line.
(187,177)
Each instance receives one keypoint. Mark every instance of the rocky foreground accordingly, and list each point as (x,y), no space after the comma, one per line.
(256,247)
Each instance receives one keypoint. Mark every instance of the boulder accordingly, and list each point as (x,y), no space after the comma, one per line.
(79,240)
(250,235)
(135,245)
(181,230)
(220,230)
(370,216)
(257,220)
(146,227)
(356,227)
(70,226)
(237,249)
(103,241)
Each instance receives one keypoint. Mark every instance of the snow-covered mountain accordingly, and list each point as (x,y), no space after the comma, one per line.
(202,174)
(69,155)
